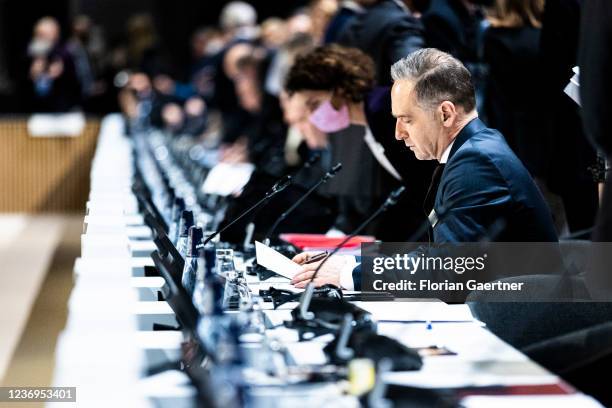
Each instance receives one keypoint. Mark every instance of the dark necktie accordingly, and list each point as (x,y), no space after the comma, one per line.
(430,198)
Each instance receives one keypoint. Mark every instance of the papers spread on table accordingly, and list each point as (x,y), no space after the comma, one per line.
(275,261)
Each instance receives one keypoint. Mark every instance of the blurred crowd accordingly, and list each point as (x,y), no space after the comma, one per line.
(242,91)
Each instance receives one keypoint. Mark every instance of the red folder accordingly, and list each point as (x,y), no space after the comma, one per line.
(321,241)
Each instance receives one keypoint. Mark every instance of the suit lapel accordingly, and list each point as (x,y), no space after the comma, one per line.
(468,131)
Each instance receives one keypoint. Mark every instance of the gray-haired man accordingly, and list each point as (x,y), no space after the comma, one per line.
(479,182)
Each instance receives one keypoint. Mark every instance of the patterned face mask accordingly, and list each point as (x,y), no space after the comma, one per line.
(329,120)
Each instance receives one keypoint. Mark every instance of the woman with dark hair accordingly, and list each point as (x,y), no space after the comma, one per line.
(342,116)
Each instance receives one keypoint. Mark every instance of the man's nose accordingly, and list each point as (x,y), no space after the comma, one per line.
(399,131)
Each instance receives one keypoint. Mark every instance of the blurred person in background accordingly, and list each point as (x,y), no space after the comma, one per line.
(457,27)
(238,20)
(86,46)
(386,30)
(321,12)
(273,33)
(512,101)
(206,43)
(53,79)
(262,133)
(454,26)
(347,9)
(238,24)
(173,119)
(196,116)
(567,153)
(143,49)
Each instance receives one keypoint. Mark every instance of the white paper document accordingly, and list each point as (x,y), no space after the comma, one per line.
(275,261)
(225,179)
(536,401)
(417,311)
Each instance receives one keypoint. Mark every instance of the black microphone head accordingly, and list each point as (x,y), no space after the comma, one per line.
(185,222)
(194,240)
(314,158)
(398,192)
(335,169)
(395,195)
(281,184)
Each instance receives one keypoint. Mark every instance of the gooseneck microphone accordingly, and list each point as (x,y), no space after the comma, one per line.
(327,176)
(312,160)
(307,294)
(279,186)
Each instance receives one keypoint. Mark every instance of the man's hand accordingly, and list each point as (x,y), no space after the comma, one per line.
(329,273)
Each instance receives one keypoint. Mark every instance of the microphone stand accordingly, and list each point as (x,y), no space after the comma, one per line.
(329,175)
(276,188)
(306,297)
(250,228)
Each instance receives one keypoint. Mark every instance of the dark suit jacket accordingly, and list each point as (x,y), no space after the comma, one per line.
(567,151)
(483,181)
(512,99)
(595,88)
(451,28)
(595,67)
(337,24)
(386,32)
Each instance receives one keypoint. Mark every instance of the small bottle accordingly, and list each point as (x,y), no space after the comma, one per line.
(177,210)
(194,241)
(198,290)
(185,223)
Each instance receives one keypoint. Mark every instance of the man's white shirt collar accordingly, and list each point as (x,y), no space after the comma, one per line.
(446,153)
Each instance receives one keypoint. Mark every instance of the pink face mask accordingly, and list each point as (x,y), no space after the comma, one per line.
(328,120)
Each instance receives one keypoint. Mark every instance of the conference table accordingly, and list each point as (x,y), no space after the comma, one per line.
(109,345)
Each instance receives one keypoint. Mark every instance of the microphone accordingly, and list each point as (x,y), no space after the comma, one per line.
(312,160)
(306,297)
(250,229)
(327,176)
(279,186)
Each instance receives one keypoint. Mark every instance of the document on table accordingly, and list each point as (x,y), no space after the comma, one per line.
(275,261)
(535,401)
(414,311)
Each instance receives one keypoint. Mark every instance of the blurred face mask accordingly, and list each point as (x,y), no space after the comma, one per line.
(329,120)
(39,47)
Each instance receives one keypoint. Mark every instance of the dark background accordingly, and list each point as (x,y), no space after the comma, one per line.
(175,21)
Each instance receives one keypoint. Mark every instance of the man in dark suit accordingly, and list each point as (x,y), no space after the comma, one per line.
(453,26)
(347,11)
(386,30)
(479,181)
(566,154)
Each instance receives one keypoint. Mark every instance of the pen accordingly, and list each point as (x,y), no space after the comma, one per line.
(316,257)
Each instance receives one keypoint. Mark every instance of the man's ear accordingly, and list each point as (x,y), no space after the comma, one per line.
(448,113)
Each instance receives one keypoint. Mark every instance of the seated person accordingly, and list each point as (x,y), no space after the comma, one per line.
(479,180)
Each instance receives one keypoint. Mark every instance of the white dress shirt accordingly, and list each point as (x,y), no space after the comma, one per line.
(446,153)
(346,274)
